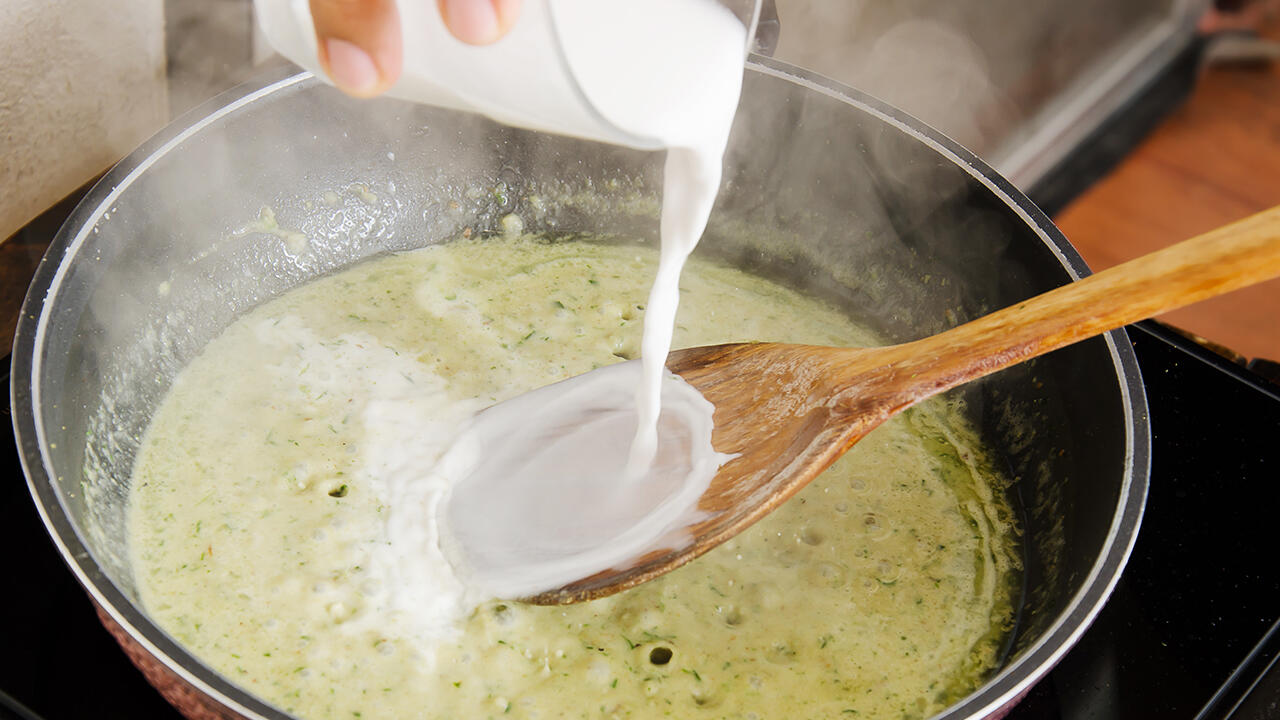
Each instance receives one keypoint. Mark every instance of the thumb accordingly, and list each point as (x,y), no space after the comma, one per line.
(358,43)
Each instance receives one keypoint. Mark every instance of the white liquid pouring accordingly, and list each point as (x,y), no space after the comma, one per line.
(546,491)
(587,474)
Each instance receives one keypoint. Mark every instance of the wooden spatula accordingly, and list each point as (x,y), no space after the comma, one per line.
(789,411)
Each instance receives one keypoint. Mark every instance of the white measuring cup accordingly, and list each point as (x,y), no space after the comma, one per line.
(588,68)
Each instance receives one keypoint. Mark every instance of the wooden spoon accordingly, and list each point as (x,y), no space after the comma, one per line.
(789,411)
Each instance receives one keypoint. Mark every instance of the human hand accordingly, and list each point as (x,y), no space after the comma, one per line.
(359,40)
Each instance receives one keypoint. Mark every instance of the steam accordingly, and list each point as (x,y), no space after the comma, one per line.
(919,59)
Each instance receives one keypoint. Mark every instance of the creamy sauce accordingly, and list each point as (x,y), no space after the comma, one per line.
(277,519)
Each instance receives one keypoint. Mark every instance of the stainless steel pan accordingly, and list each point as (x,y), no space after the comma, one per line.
(825,189)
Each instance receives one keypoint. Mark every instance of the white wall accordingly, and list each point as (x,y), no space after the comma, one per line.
(82,82)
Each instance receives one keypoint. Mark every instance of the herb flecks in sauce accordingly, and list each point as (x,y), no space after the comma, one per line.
(884,589)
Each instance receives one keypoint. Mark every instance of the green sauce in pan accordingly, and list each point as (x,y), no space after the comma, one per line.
(884,589)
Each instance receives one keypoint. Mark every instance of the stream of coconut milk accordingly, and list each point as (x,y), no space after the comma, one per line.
(584,475)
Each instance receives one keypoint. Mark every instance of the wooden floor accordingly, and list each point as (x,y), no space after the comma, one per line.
(1215,160)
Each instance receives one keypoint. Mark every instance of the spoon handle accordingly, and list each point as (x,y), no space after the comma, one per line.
(1228,258)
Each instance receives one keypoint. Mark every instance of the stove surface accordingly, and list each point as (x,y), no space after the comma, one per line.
(1194,622)
(1192,631)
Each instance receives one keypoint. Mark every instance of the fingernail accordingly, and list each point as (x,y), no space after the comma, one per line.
(351,68)
(470,21)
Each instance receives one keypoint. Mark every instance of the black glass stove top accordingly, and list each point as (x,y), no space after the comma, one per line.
(1192,631)
(1194,623)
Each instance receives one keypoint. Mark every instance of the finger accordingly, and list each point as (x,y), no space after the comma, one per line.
(359,43)
(479,22)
